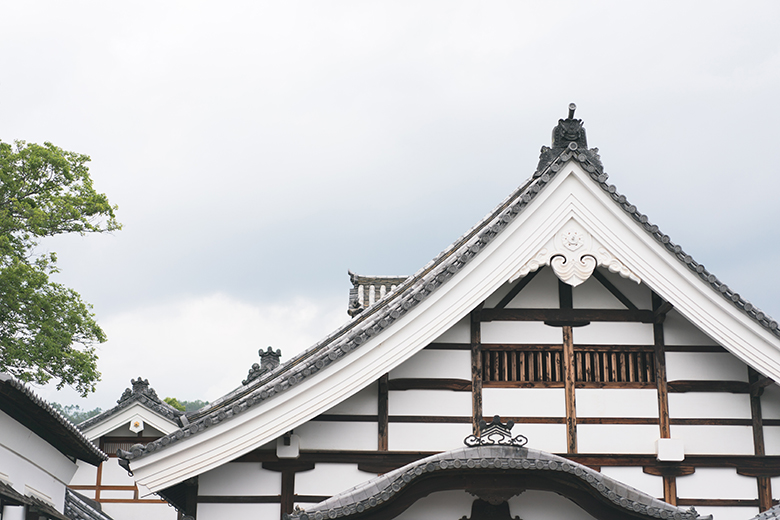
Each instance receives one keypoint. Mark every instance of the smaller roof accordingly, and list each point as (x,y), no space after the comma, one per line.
(368,289)
(21,404)
(141,393)
(488,460)
(79,507)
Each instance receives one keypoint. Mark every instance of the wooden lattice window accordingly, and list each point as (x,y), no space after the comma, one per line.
(530,364)
(543,365)
(614,364)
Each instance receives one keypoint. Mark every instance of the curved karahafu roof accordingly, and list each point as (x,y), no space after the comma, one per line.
(494,473)
(38,416)
(705,298)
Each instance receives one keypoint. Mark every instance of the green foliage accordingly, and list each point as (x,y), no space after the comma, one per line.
(175,403)
(75,414)
(185,406)
(46,331)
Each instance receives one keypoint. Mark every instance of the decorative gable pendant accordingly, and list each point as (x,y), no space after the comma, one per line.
(573,254)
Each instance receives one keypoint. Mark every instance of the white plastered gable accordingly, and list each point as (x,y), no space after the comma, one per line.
(570,211)
(122,419)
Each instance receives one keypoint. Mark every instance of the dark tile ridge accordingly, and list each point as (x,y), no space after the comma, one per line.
(383,488)
(141,393)
(79,507)
(72,430)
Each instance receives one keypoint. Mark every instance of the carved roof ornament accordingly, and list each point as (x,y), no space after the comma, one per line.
(495,434)
(574,254)
(569,133)
(140,387)
(268,361)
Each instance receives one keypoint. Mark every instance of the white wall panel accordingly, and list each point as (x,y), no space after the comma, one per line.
(770,402)
(679,331)
(608,333)
(458,333)
(520,332)
(329,479)
(624,402)
(240,478)
(592,295)
(426,436)
(772,441)
(524,402)
(114,474)
(727,513)
(144,511)
(117,494)
(327,435)
(364,402)
(709,405)
(541,293)
(454,364)
(716,440)
(716,483)
(86,474)
(225,511)
(443,505)
(712,366)
(545,437)
(429,402)
(545,505)
(635,477)
(616,438)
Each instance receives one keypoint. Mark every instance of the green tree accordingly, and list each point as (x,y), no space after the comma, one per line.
(185,406)
(46,331)
(74,413)
(175,403)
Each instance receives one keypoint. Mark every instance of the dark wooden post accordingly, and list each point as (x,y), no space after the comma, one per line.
(476,369)
(670,483)
(568,371)
(763,482)
(383,413)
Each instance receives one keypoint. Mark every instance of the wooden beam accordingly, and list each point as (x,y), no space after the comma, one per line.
(761,382)
(456,385)
(733,387)
(614,290)
(519,286)
(383,414)
(568,372)
(567,315)
(662,309)
(476,368)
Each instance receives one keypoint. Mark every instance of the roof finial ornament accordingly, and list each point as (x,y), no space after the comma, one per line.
(268,361)
(572,108)
(496,434)
(568,134)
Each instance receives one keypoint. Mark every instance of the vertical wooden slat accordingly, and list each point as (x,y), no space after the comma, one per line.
(568,370)
(476,370)
(641,375)
(613,367)
(548,365)
(588,366)
(513,366)
(505,365)
(494,366)
(597,366)
(383,414)
(763,483)
(632,366)
(523,359)
(531,366)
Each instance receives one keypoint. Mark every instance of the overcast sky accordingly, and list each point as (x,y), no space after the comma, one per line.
(258,150)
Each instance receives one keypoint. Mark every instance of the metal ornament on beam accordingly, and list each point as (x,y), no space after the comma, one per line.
(495,434)
(573,254)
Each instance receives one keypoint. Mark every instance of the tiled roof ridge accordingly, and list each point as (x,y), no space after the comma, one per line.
(61,419)
(418,286)
(147,398)
(376,491)
(79,507)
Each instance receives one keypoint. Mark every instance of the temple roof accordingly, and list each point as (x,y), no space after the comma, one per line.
(416,289)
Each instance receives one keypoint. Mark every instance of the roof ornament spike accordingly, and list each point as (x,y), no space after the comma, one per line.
(568,139)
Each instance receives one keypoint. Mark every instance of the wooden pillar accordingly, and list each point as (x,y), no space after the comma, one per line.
(383,413)
(763,482)
(670,483)
(568,372)
(288,468)
(476,369)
